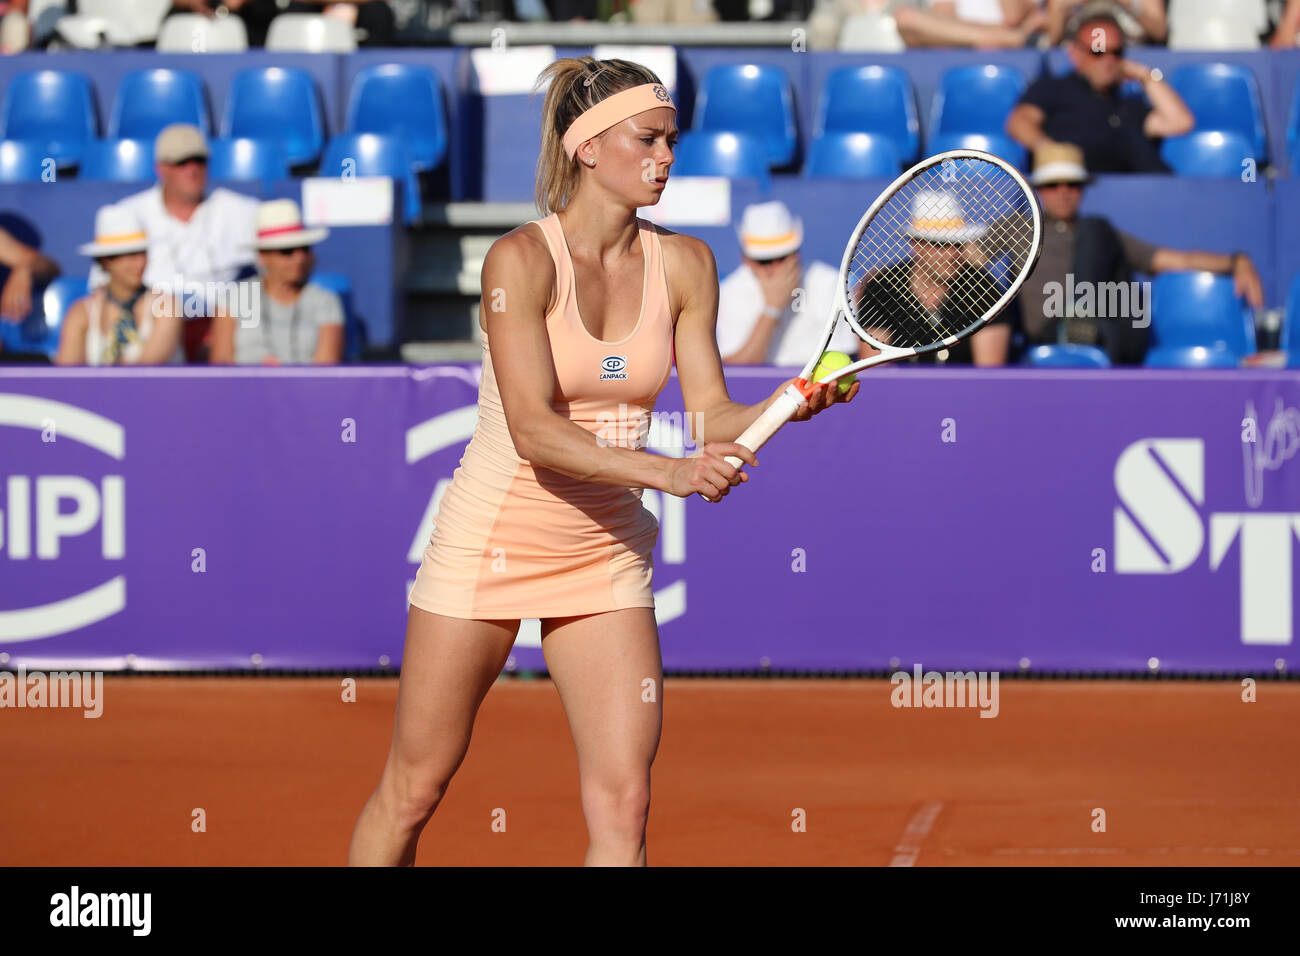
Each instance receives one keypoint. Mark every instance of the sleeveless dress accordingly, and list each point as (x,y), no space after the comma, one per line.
(511,540)
(97,342)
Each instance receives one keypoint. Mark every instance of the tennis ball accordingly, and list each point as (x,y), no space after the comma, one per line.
(833,361)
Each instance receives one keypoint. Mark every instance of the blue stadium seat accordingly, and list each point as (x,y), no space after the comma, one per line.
(1002,146)
(278,103)
(856,155)
(22,162)
(1224,96)
(148,100)
(1200,308)
(734,155)
(1066,356)
(745,98)
(55,108)
(118,161)
(58,298)
(871,99)
(38,334)
(1192,356)
(400,100)
(246,160)
(354,332)
(975,99)
(1208,155)
(1289,340)
(369,154)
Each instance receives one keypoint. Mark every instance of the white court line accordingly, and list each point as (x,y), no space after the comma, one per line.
(909,844)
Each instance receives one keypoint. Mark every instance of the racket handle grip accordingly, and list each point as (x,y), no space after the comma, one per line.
(767,424)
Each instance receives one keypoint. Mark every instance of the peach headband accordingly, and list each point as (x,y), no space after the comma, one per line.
(613,110)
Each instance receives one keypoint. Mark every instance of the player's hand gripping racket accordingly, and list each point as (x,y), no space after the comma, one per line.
(937,256)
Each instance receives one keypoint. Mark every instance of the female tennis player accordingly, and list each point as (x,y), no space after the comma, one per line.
(583,313)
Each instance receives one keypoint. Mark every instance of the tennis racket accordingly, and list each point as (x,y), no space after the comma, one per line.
(963,221)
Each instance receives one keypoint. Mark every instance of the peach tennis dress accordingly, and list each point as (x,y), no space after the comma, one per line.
(511,540)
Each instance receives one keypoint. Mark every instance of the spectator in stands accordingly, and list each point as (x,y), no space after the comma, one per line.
(197,239)
(15,30)
(1143,21)
(982,24)
(297,322)
(1118,133)
(374,17)
(22,269)
(1086,251)
(1287,33)
(910,298)
(121,322)
(771,306)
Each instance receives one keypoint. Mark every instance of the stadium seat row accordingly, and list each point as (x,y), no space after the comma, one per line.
(866,119)
(396,125)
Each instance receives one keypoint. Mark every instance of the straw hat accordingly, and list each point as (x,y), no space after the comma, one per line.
(279,226)
(768,231)
(937,216)
(1058,163)
(117,232)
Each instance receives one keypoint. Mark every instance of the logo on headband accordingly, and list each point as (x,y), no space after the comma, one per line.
(661,94)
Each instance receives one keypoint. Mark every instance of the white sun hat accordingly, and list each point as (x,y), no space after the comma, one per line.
(117,232)
(768,231)
(279,226)
(937,216)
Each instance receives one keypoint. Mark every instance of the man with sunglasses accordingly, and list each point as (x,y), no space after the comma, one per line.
(1118,133)
(771,305)
(196,238)
(1087,251)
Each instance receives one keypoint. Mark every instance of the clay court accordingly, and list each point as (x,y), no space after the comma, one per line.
(1187,773)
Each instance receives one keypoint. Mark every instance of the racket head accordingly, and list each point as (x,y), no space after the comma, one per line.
(963,218)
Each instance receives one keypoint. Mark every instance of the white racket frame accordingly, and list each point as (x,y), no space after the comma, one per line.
(788,402)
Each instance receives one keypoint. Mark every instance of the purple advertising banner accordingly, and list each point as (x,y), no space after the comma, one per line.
(988,519)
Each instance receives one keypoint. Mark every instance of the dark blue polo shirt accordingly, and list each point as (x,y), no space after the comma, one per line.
(1106,126)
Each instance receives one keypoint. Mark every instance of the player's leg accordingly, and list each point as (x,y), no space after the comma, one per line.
(609,673)
(447,668)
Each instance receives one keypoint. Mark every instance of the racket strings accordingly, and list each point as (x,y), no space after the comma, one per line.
(939,255)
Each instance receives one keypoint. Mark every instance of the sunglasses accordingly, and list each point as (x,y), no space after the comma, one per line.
(290,251)
(1078,186)
(1098,54)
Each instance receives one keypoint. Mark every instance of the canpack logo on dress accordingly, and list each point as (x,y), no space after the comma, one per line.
(613,367)
(40,511)
(1160,529)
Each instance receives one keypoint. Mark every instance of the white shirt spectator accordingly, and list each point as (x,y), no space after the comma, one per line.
(214,246)
(976,11)
(740,303)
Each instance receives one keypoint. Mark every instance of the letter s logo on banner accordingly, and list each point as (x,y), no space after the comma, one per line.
(34,521)
(1160,483)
